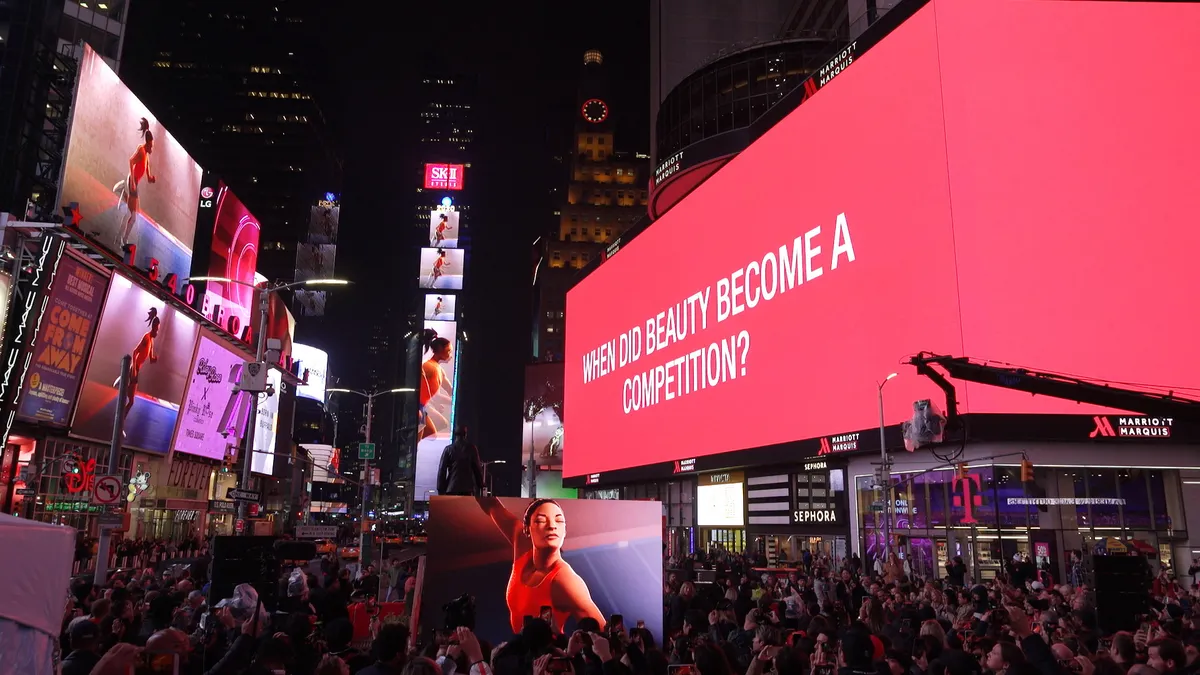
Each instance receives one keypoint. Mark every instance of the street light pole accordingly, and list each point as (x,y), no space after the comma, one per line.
(886,474)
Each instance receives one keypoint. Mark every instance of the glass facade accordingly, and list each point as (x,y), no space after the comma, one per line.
(64,474)
(984,517)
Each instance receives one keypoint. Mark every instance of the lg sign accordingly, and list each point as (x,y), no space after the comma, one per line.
(765,306)
(443,176)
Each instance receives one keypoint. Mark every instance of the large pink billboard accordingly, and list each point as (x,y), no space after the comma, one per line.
(234,255)
(204,430)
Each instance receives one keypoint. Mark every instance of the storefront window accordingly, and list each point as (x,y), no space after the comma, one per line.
(1079,487)
(1158,494)
(973,502)
(1008,485)
(939,504)
(918,506)
(1102,484)
(1132,484)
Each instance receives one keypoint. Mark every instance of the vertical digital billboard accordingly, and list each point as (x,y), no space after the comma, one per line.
(233,255)
(134,183)
(315,261)
(440,307)
(263,458)
(202,430)
(310,303)
(326,463)
(323,221)
(442,268)
(444,176)
(542,435)
(161,341)
(443,228)
(436,401)
(63,343)
(313,364)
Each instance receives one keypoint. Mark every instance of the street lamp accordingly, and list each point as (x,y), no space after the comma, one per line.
(264,304)
(885,474)
(364,549)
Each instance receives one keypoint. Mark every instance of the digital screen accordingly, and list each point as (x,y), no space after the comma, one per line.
(326,461)
(720,505)
(315,261)
(436,398)
(443,229)
(63,343)
(323,223)
(133,181)
(314,362)
(854,262)
(542,431)
(268,423)
(234,256)
(209,394)
(440,307)
(310,303)
(441,268)
(443,176)
(161,341)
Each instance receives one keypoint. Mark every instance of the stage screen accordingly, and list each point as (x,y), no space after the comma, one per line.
(606,559)
(720,505)
(134,183)
(440,307)
(315,362)
(441,268)
(323,222)
(63,343)
(265,431)
(315,261)
(436,398)
(856,261)
(234,256)
(210,391)
(443,229)
(161,341)
(542,431)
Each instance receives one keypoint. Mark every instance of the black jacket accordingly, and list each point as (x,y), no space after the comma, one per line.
(79,662)
(460,472)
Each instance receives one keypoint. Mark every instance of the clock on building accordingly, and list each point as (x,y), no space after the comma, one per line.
(595,111)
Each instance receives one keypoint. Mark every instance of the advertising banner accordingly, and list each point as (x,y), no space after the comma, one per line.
(436,398)
(440,307)
(310,303)
(234,256)
(323,222)
(133,181)
(268,423)
(442,268)
(443,229)
(210,391)
(63,343)
(591,558)
(315,261)
(314,362)
(161,341)
(854,263)
(444,176)
(543,424)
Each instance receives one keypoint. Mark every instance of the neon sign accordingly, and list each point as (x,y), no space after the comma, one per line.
(78,475)
(444,176)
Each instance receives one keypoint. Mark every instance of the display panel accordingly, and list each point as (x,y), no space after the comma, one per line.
(265,431)
(786,333)
(310,303)
(442,268)
(234,255)
(323,222)
(161,340)
(315,261)
(481,546)
(542,431)
(721,505)
(210,392)
(315,362)
(326,461)
(134,183)
(63,342)
(436,401)
(443,229)
(440,307)
(444,176)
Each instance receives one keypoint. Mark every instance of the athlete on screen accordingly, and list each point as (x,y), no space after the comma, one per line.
(433,379)
(439,233)
(139,166)
(143,352)
(540,577)
(437,309)
(438,265)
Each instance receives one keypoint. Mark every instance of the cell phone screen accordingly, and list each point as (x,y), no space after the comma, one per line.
(616,620)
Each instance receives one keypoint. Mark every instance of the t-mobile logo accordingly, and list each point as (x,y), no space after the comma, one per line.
(969,487)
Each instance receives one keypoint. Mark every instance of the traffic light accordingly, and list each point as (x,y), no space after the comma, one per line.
(1026,471)
(962,471)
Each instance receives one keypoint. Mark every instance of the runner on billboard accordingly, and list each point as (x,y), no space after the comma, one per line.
(439,232)
(437,267)
(433,378)
(540,577)
(139,165)
(437,309)
(144,351)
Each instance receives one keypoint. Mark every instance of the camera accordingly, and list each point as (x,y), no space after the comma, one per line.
(460,612)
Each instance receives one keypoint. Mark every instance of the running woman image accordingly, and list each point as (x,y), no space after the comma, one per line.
(139,166)
(437,309)
(143,352)
(540,577)
(439,233)
(438,265)
(433,379)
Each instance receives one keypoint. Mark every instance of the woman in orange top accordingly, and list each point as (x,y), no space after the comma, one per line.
(540,577)
(139,165)
(433,378)
(143,352)
(438,264)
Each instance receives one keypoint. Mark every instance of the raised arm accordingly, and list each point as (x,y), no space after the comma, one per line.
(570,594)
(507,523)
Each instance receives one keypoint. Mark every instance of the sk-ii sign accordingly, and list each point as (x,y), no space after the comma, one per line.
(443,176)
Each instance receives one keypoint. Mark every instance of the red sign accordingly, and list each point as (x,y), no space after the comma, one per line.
(79,475)
(967,497)
(443,176)
(1013,224)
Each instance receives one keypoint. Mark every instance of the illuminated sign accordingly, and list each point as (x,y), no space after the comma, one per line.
(187,474)
(808,516)
(593,479)
(1065,501)
(1132,427)
(719,478)
(78,475)
(816,466)
(684,465)
(667,167)
(443,176)
(186,515)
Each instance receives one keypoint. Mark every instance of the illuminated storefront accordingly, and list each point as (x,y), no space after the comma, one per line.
(63,474)
(790,510)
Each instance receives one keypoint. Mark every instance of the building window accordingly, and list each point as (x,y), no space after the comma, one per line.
(619,171)
(601,140)
(589,139)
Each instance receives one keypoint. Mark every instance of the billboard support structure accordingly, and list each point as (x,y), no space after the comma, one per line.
(264,304)
(114,452)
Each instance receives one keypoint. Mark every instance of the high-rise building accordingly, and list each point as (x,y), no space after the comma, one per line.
(605,195)
(249,111)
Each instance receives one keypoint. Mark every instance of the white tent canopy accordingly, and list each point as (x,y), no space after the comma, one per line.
(35,565)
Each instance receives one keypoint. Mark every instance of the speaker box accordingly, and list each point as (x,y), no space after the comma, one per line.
(245,560)
(1122,591)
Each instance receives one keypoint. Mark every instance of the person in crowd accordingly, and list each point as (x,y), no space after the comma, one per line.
(391,651)
(85,649)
